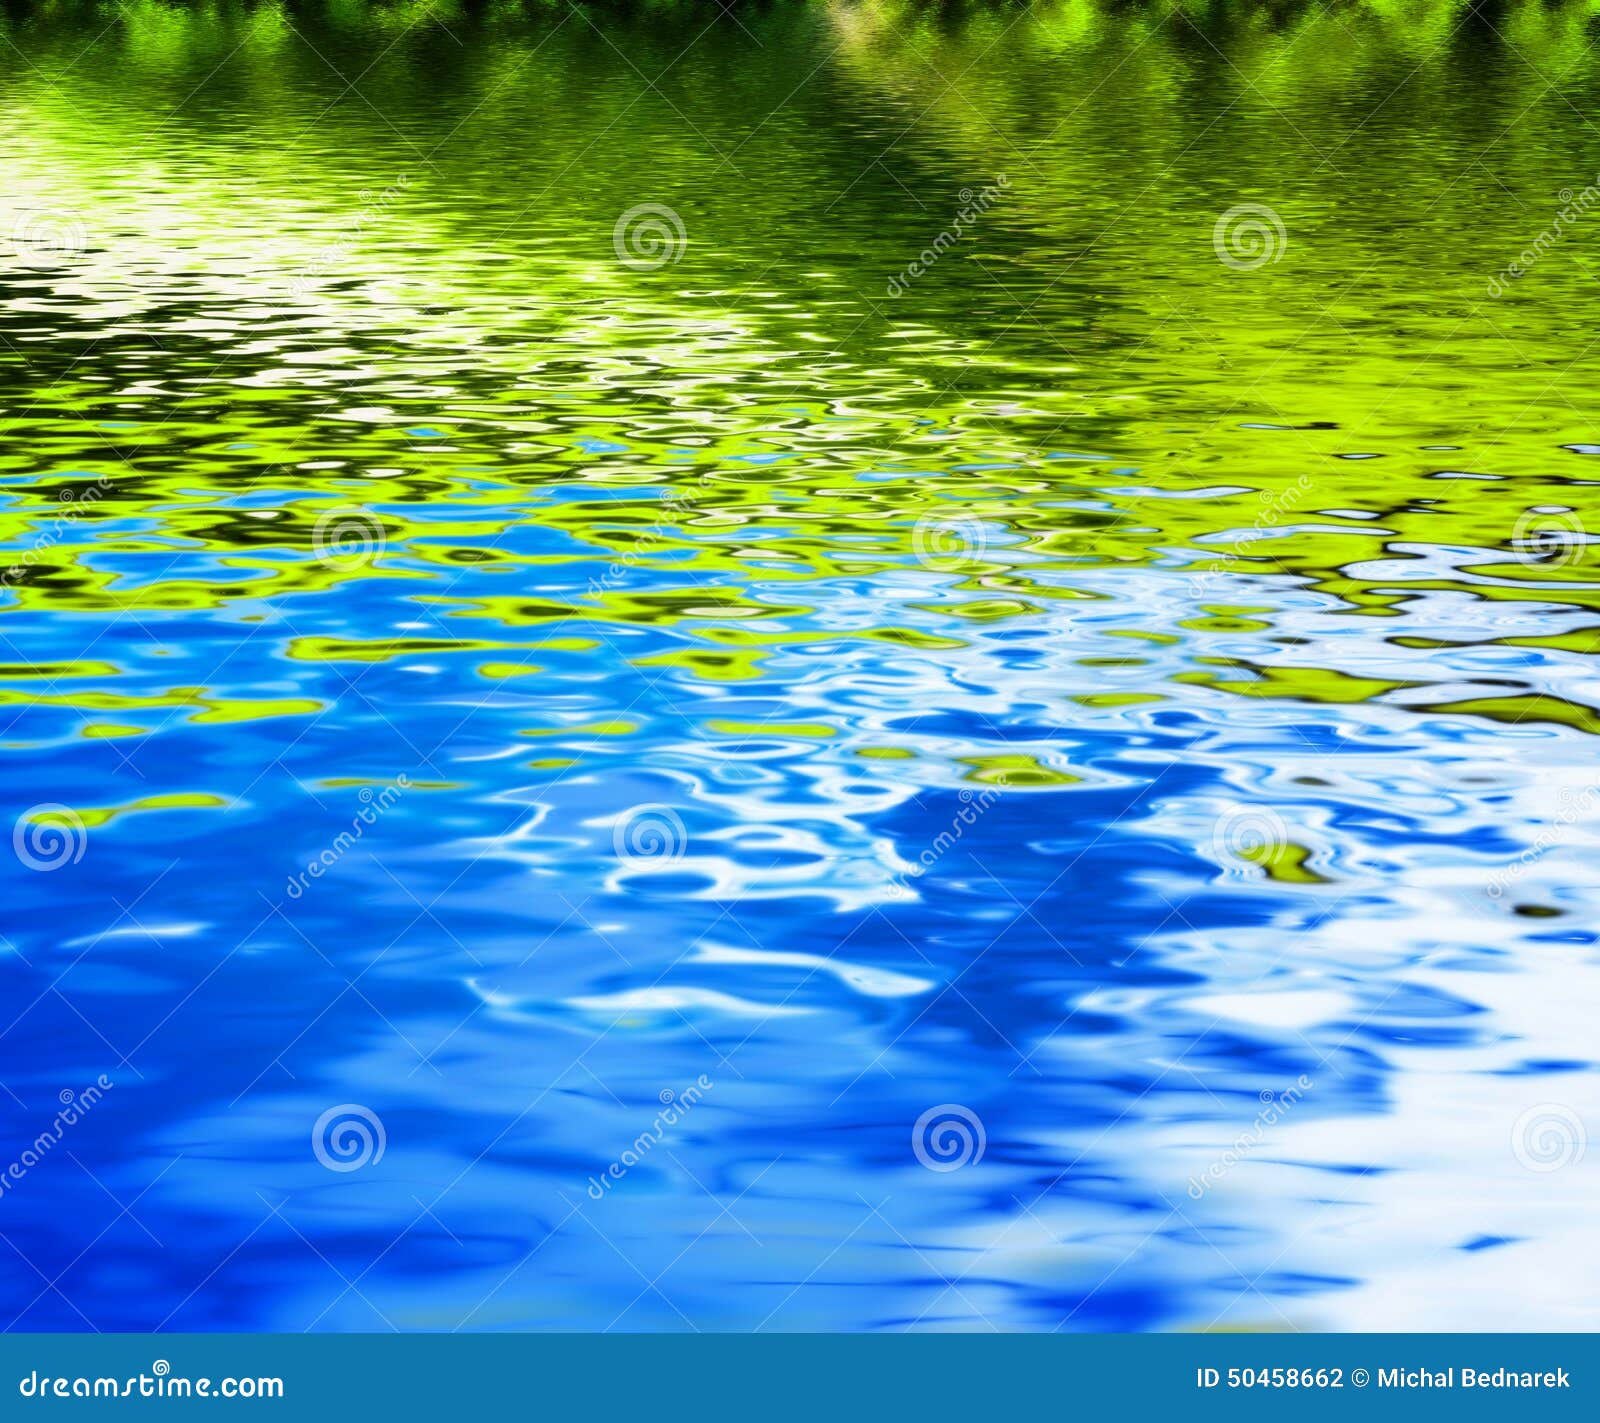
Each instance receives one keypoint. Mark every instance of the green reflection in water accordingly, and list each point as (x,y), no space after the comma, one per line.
(248,299)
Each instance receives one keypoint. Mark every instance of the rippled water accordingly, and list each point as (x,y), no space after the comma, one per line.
(848,666)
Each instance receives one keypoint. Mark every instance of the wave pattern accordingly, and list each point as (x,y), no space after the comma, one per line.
(849,668)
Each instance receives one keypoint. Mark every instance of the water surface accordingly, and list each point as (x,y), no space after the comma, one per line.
(854,666)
